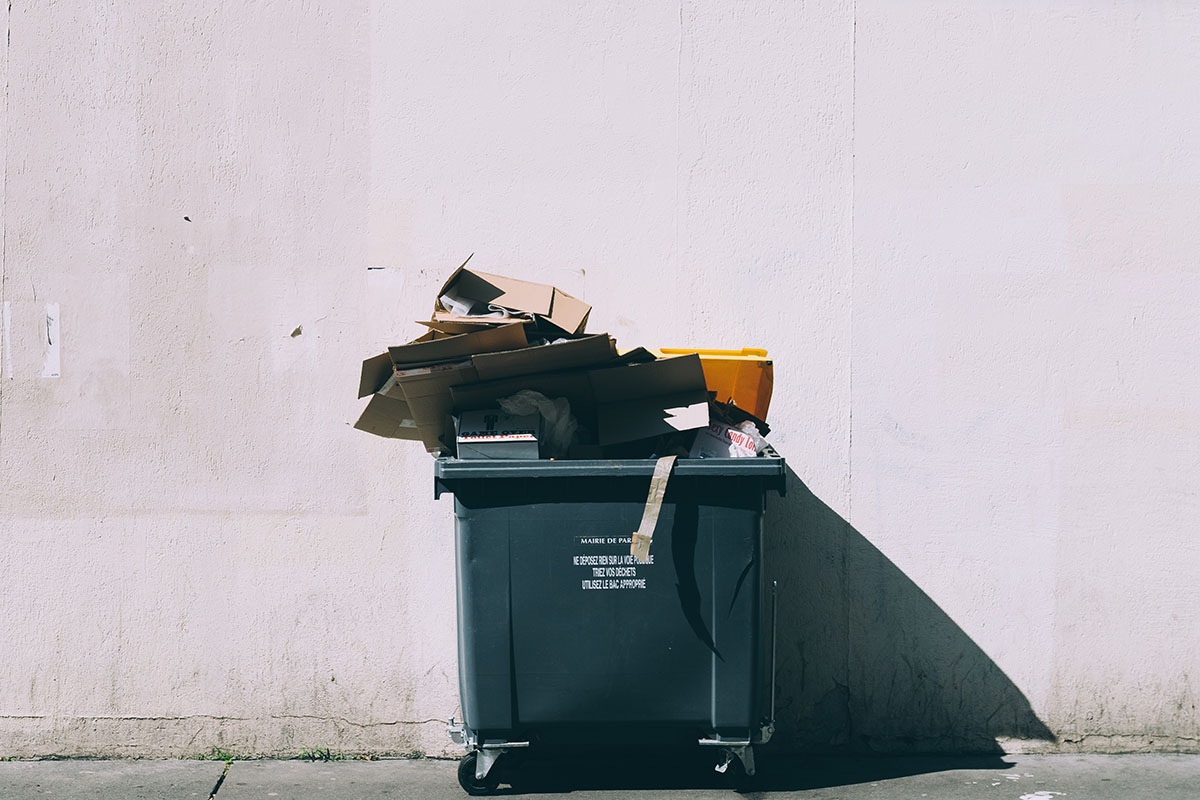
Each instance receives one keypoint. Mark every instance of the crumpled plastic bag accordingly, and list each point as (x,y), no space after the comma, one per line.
(750,429)
(561,425)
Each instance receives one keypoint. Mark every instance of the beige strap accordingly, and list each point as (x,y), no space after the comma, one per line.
(640,548)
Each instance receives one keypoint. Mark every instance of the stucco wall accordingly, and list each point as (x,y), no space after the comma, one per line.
(966,232)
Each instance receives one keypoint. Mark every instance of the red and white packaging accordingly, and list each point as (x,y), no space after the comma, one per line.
(719,440)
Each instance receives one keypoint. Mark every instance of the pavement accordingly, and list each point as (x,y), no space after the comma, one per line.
(1044,777)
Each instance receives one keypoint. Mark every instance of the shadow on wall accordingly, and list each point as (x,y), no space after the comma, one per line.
(867,662)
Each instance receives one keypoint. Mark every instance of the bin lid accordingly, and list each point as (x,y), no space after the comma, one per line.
(771,470)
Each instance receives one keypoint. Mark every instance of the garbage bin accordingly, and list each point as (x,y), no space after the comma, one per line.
(562,633)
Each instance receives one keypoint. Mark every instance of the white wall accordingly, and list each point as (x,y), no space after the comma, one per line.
(966,232)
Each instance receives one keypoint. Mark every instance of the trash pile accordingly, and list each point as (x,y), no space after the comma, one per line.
(507,371)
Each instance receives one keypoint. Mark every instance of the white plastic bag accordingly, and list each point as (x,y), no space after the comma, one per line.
(561,425)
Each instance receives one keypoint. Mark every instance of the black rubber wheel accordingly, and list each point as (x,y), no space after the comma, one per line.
(472,785)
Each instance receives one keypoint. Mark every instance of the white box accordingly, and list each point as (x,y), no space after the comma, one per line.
(490,433)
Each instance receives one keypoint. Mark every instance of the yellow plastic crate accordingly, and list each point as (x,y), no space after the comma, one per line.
(743,377)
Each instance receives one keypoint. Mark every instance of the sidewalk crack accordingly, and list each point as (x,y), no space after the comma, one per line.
(220,780)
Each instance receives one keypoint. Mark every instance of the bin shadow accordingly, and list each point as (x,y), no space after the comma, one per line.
(625,770)
(867,661)
(874,680)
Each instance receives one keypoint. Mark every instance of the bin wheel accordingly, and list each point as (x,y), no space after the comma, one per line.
(472,785)
(735,776)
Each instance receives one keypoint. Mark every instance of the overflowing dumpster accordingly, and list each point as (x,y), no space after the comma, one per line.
(564,634)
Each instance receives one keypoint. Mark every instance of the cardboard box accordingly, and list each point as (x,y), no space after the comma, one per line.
(494,434)
(539,301)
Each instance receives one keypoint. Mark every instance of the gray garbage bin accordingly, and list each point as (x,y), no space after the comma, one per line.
(561,633)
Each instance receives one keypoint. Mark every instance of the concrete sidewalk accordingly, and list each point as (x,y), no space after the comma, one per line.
(1145,777)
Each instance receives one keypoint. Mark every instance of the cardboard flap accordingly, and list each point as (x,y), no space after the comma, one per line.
(636,355)
(665,376)
(375,372)
(434,347)
(391,388)
(637,401)
(427,391)
(568,313)
(546,358)
(629,420)
(450,282)
(388,417)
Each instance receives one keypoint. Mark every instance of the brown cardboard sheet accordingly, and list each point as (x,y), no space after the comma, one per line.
(435,346)
(388,417)
(637,401)
(589,350)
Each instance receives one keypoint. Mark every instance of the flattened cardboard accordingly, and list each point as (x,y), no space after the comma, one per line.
(584,352)
(375,371)
(434,346)
(650,379)
(634,356)
(638,401)
(388,417)
(427,390)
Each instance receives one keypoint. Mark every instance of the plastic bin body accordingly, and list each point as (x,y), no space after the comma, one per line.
(556,629)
